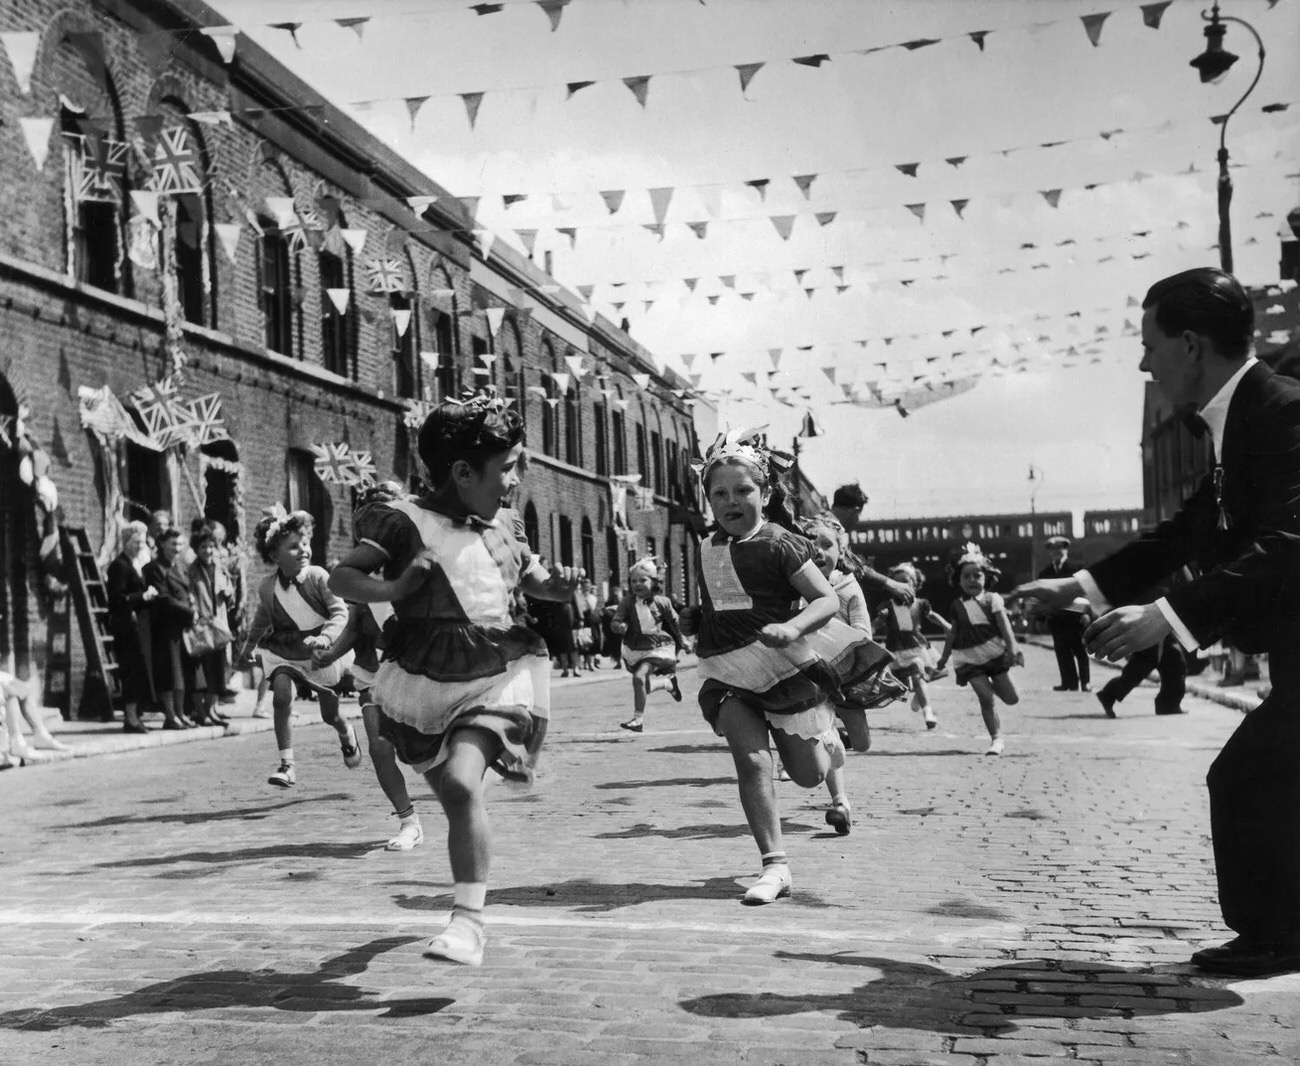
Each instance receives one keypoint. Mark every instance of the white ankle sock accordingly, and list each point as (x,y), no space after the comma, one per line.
(286,755)
(470,895)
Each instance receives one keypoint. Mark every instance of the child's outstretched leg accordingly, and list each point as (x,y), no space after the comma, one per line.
(391,779)
(921,701)
(458,784)
(329,714)
(856,728)
(260,709)
(640,692)
(746,732)
(839,815)
(282,709)
(984,690)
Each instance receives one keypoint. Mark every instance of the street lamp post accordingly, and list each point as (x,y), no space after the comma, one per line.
(1035,483)
(1213,64)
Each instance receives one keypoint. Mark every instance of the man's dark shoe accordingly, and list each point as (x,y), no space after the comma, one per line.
(1107,703)
(1243,958)
(1065,688)
(1170,710)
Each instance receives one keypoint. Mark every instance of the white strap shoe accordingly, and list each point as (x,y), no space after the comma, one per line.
(772,884)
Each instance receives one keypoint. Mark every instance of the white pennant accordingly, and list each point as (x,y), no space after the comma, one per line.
(562,380)
(22,49)
(340,298)
(356,239)
(282,208)
(430,359)
(575,366)
(642,380)
(228,234)
(224,38)
(146,204)
(488,360)
(485,239)
(537,390)
(401,320)
(495,316)
(37,133)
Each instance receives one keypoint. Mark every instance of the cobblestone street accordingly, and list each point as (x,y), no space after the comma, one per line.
(167,906)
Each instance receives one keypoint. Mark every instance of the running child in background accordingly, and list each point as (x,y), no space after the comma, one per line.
(647,622)
(900,625)
(462,688)
(363,636)
(832,540)
(297,615)
(770,667)
(981,642)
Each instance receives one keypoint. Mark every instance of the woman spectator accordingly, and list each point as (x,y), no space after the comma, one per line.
(130,601)
(173,613)
(611,643)
(586,609)
(211,593)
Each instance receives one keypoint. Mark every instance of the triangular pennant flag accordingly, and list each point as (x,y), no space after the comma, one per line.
(486,9)
(640,86)
(747,72)
(495,316)
(552,402)
(36,131)
(528,238)
(281,208)
(829,371)
(1153,13)
(574,86)
(909,169)
(784,225)
(554,11)
(812,61)
(655,228)
(959,206)
(413,105)
(922,42)
(289,27)
(715,356)
(571,233)
(574,363)
(401,319)
(749,376)
(1052,196)
(711,197)
(224,38)
(825,218)
(356,25)
(484,239)
(488,360)
(510,199)
(713,301)
(228,234)
(419,204)
(585,292)
(588,312)
(700,229)
(537,390)
(22,48)
(659,200)
(760,185)
(688,360)
(146,204)
(642,381)
(472,101)
(355,238)
(978,37)
(804,181)
(729,280)
(1092,26)
(562,380)
(775,355)
(918,210)
(213,118)
(340,298)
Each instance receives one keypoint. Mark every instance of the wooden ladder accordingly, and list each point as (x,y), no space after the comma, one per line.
(101,693)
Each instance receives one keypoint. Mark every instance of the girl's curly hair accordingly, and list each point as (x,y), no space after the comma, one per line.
(910,572)
(970,553)
(475,430)
(826,522)
(277,524)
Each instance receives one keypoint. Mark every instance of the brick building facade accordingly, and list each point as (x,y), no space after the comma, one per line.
(259,285)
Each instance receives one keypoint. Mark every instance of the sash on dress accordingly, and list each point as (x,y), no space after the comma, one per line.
(726,592)
(303,614)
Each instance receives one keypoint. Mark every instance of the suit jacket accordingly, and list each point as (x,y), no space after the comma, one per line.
(1248,589)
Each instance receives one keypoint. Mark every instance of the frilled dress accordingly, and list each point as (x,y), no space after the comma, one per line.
(977,645)
(453,656)
(652,635)
(901,623)
(288,612)
(747,584)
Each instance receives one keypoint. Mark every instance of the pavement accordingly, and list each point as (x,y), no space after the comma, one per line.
(163,904)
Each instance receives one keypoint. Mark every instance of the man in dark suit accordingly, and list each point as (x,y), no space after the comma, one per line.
(846,506)
(1241,528)
(1067,624)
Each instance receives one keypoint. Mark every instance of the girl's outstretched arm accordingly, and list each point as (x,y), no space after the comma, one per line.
(822,606)
(1008,635)
(352,578)
(948,638)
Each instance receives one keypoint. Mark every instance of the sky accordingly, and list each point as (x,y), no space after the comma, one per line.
(1087,172)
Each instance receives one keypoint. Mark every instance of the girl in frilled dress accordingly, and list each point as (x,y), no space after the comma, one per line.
(298,616)
(981,641)
(461,687)
(647,622)
(770,667)
(901,626)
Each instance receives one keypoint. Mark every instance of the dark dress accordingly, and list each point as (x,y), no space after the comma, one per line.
(173,613)
(129,618)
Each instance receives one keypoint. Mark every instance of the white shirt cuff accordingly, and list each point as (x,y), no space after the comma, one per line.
(1185,638)
(1100,605)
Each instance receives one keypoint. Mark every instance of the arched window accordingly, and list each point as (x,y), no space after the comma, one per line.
(618,430)
(532,529)
(566,540)
(572,428)
(306,492)
(549,442)
(182,164)
(600,434)
(338,310)
(512,369)
(279,265)
(588,548)
(642,459)
(441,299)
(613,550)
(219,461)
(404,345)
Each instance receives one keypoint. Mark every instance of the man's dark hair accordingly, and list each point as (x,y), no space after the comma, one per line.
(1206,301)
(850,495)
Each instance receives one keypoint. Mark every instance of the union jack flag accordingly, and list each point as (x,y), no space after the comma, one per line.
(166,418)
(99,167)
(176,163)
(207,424)
(334,463)
(385,275)
(363,469)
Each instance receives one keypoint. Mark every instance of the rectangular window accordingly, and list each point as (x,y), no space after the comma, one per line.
(657,461)
(275,282)
(188,250)
(96,244)
(620,443)
(642,460)
(405,380)
(335,352)
(602,443)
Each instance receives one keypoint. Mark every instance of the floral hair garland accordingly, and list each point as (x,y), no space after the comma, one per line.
(748,445)
(971,553)
(646,567)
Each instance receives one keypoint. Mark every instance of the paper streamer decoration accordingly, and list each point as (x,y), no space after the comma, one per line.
(228,234)
(36,132)
(22,49)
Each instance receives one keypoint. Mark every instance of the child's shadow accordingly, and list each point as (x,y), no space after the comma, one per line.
(909,995)
(307,992)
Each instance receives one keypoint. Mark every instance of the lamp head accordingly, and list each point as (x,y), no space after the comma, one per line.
(1215,61)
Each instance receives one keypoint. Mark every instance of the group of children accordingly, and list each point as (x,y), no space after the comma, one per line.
(782,635)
